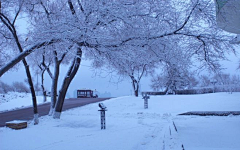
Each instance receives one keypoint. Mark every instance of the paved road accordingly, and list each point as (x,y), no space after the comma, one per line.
(27,113)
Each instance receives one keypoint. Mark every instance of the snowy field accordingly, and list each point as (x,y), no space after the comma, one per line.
(131,127)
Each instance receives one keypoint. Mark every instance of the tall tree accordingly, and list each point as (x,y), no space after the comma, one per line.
(42,64)
(10,26)
(175,66)
(67,80)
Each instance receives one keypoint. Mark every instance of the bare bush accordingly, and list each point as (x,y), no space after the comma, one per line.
(5,88)
(20,87)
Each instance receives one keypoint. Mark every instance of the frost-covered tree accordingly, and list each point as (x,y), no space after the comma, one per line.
(176,61)
(226,82)
(193,81)
(40,62)
(173,78)
(204,81)
(131,63)
(9,14)
(13,41)
(55,58)
(40,19)
(59,58)
(108,26)
(235,83)
(120,23)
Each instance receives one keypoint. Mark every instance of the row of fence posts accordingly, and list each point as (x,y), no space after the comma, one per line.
(103,109)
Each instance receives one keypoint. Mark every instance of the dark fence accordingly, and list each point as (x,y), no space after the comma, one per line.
(154,93)
(204,90)
(184,92)
(195,91)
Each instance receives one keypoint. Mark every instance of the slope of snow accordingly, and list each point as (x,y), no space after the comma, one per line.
(131,127)
(15,100)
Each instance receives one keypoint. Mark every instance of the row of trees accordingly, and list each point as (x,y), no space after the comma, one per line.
(131,37)
(14,87)
(172,82)
(222,82)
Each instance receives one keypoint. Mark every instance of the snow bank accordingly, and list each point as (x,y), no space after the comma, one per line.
(131,127)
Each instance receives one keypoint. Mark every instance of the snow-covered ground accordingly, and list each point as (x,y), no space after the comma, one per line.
(131,127)
(15,100)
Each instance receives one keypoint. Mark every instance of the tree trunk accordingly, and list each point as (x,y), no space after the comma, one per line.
(135,86)
(69,77)
(54,86)
(34,100)
(165,91)
(43,88)
(136,93)
(29,77)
